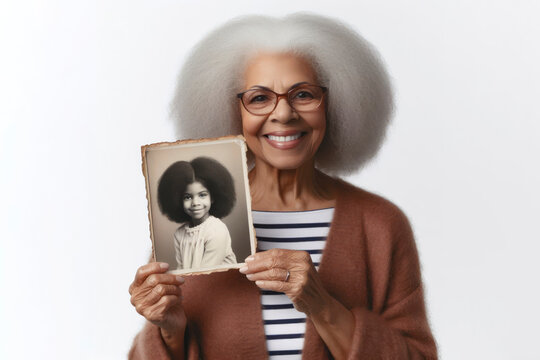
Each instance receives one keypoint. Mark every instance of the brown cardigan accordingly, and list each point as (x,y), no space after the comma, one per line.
(370,264)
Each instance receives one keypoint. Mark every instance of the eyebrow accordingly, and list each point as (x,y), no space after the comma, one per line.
(267,88)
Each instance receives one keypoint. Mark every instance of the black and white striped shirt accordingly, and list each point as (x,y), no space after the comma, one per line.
(284,326)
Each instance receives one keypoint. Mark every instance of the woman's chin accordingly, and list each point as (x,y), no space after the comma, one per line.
(288,162)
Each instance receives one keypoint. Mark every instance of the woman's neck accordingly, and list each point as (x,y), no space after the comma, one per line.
(299,189)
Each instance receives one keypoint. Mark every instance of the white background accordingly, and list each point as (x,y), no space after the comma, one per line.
(84,83)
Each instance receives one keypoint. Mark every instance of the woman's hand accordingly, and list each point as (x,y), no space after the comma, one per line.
(157,296)
(290,272)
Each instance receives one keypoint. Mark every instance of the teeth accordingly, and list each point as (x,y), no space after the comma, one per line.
(284,138)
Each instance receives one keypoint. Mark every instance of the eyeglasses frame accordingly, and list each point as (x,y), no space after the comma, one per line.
(279,96)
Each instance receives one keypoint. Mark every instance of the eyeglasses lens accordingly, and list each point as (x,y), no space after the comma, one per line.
(259,101)
(305,98)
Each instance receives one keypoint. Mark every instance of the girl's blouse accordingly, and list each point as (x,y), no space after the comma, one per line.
(284,326)
(203,246)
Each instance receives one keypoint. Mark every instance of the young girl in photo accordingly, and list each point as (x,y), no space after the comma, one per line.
(196,194)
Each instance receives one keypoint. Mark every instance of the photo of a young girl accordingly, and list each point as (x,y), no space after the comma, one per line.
(196,194)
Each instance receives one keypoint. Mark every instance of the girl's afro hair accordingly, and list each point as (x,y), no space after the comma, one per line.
(210,173)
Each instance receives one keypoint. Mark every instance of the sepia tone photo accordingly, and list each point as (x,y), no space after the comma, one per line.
(199,204)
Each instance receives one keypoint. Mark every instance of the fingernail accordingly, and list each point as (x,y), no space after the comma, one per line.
(243,269)
(249,276)
(249,258)
(180,279)
(259,283)
(164,265)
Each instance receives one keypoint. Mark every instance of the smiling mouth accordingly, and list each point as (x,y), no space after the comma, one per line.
(285,138)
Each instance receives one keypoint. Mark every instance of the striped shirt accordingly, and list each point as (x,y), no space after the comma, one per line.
(284,326)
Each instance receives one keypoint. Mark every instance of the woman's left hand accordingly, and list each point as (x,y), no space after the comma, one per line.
(290,272)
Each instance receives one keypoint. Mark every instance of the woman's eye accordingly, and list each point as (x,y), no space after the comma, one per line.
(303,95)
(186,197)
(203,195)
(258,99)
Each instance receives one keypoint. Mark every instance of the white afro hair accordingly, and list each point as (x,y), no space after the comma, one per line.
(359,101)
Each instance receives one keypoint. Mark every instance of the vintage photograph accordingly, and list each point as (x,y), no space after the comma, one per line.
(199,204)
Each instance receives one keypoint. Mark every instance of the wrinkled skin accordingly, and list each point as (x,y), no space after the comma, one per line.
(269,271)
(158,297)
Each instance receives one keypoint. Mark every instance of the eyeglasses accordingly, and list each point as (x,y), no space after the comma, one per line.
(302,97)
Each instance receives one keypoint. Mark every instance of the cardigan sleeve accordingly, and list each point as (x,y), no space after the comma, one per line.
(149,345)
(395,326)
(376,336)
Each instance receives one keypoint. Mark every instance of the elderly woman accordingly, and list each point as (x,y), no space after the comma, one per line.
(337,273)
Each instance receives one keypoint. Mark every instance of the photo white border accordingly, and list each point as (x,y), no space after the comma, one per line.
(238,139)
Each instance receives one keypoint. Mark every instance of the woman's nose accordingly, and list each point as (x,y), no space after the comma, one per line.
(195,201)
(283,112)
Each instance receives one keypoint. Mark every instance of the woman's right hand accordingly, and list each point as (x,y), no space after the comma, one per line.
(158,297)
